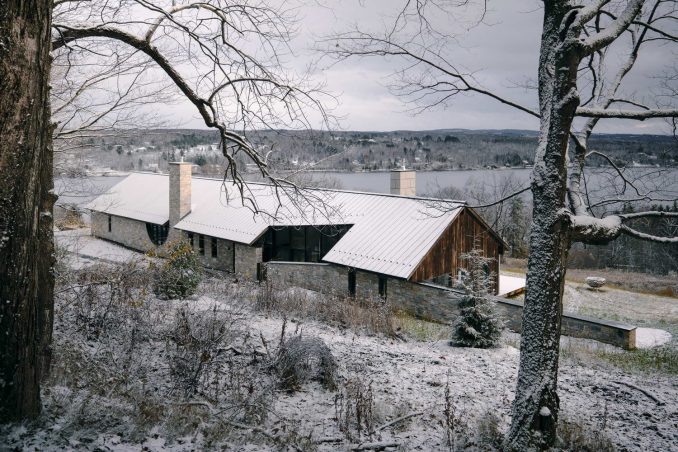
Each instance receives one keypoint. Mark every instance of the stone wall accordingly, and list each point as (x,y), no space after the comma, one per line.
(433,302)
(606,331)
(225,249)
(247,259)
(127,232)
(419,299)
(325,278)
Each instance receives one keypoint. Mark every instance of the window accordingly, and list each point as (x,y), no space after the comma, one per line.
(382,286)
(214,247)
(351,282)
(157,232)
(190,240)
(201,244)
(297,245)
(110,225)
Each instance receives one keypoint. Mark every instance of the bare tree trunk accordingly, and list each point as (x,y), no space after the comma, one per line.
(26,201)
(535,408)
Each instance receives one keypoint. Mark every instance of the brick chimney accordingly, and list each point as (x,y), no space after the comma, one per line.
(403,182)
(179,191)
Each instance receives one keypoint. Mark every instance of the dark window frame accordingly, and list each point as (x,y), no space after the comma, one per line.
(214,248)
(110,223)
(201,244)
(351,282)
(383,286)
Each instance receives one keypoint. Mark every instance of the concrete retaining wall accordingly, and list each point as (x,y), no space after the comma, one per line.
(433,302)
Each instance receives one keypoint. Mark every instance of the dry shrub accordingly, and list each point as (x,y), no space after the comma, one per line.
(302,359)
(70,219)
(104,298)
(372,314)
(354,409)
(198,339)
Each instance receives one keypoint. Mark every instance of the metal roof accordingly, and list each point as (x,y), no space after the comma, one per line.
(389,234)
(143,197)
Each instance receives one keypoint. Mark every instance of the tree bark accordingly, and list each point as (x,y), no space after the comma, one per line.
(26,204)
(536,404)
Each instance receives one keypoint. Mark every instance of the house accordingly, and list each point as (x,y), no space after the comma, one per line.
(339,240)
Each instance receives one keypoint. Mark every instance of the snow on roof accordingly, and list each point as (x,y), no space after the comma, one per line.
(389,234)
(143,197)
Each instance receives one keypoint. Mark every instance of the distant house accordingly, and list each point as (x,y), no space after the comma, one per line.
(345,240)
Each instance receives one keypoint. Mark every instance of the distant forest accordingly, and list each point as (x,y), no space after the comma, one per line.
(358,151)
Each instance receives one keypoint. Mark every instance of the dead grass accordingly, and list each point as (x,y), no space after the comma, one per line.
(373,315)
(420,330)
(662,359)
(644,283)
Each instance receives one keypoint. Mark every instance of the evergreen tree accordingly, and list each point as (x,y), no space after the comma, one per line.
(478,324)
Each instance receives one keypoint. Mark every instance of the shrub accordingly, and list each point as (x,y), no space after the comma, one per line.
(180,274)
(301,359)
(478,324)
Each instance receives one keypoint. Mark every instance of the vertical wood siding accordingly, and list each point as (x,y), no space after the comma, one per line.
(458,238)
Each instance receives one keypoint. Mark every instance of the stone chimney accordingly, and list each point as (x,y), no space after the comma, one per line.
(403,182)
(179,191)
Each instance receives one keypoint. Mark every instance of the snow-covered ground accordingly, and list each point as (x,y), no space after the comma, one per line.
(636,410)
(82,248)
(405,377)
(510,285)
(651,337)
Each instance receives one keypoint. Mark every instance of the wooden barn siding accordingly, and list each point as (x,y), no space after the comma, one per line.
(458,239)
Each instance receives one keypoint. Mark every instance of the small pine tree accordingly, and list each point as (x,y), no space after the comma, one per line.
(180,274)
(478,324)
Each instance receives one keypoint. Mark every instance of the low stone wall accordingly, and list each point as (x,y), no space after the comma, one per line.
(606,331)
(432,302)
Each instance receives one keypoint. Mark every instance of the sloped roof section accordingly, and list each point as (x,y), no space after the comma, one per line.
(388,235)
(393,235)
(143,197)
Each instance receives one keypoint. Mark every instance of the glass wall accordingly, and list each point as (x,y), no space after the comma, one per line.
(302,243)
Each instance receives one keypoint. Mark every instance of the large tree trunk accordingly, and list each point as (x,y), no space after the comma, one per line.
(26,202)
(535,408)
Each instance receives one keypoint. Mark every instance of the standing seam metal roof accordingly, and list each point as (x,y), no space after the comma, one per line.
(389,234)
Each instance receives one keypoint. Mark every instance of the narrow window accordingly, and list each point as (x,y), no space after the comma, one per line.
(351,282)
(190,240)
(201,244)
(110,225)
(382,286)
(214,247)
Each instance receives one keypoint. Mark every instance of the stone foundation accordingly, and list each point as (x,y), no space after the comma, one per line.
(432,302)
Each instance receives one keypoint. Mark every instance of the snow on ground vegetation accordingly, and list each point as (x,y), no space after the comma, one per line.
(131,371)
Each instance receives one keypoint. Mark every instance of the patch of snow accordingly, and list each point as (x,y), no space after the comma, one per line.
(508,284)
(651,337)
(544,411)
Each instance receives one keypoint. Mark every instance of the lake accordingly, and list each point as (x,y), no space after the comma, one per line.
(659,182)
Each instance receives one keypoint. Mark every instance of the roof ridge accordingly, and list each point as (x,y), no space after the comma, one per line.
(333,190)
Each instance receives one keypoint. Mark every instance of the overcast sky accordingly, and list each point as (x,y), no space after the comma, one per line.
(501,55)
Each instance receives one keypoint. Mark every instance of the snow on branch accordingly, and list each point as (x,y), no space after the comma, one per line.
(599,231)
(610,33)
(627,114)
(648,237)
